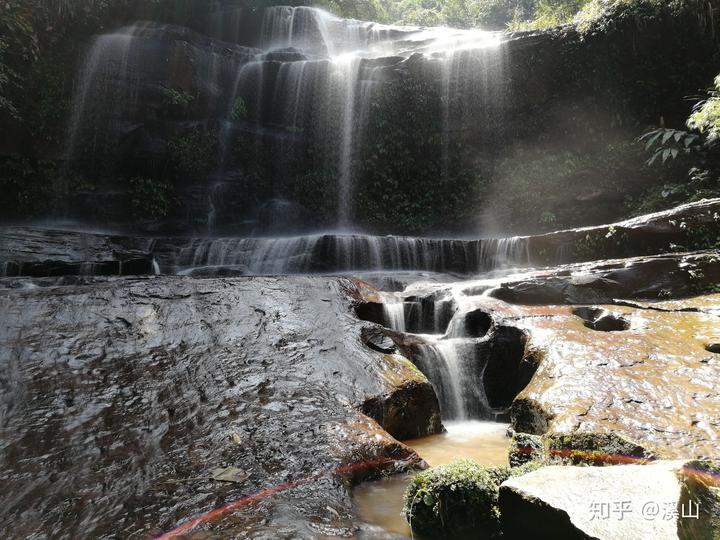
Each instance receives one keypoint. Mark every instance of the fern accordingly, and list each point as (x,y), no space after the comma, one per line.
(668,144)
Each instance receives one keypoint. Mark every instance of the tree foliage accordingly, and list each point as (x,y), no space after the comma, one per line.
(32,29)
(488,14)
(706,115)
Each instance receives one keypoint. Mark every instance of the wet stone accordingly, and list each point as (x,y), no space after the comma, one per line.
(133,414)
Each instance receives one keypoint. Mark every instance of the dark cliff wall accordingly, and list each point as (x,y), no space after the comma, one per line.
(545,140)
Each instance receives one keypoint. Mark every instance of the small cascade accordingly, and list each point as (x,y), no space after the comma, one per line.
(395,315)
(500,253)
(456,373)
(476,366)
(213,200)
(322,254)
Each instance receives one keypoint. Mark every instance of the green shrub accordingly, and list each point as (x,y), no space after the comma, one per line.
(706,115)
(194,153)
(176,103)
(239,110)
(150,198)
(458,499)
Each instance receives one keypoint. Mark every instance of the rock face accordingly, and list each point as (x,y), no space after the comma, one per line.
(603,503)
(120,397)
(686,227)
(144,93)
(565,364)
(36,252)
(654,383)
(656,277)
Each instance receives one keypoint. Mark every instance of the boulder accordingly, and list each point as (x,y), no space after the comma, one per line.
(644,371)
(458,500)
(651,277)
(603,503)
(525,448)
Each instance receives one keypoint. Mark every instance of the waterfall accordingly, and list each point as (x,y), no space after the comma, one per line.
(395,315)
(316,68)
(321,253)
(129,74)
(472,87)
(305,93)
(105,74)
(454,370)
(498,253)
(347,71)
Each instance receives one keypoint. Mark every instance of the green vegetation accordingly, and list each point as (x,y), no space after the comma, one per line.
(239,110)
(33,30)
(176,103)
(596,449)
(557,154)
(150,199)
(458,499)
(514,15)
(706,116)
(194,153)
(692,155)
(489,14)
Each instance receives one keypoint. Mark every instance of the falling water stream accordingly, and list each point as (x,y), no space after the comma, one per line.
(312,78)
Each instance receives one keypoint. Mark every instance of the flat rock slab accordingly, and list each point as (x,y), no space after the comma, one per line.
(654,382)
(120,399)
(625,502)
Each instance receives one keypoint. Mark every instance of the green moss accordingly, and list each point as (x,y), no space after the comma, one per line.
(594,449)
(525,448)
(459,499)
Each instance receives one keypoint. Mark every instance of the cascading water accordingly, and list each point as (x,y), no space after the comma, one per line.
(456,373)
(122,83)
(307,93)
(321,253)
(104,73)
(318,70)
(395,315)
(472,88)
(450,346)
(498,253)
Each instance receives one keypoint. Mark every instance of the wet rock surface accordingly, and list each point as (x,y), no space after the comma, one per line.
(37,252)
(689,226)
(122,396)
(598,357)
(652,382)
(651,277)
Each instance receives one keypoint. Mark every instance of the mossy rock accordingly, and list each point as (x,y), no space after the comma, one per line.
(594,449)
(525,448)
(459,500)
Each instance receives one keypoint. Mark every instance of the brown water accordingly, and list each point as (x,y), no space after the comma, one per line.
(379,503)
